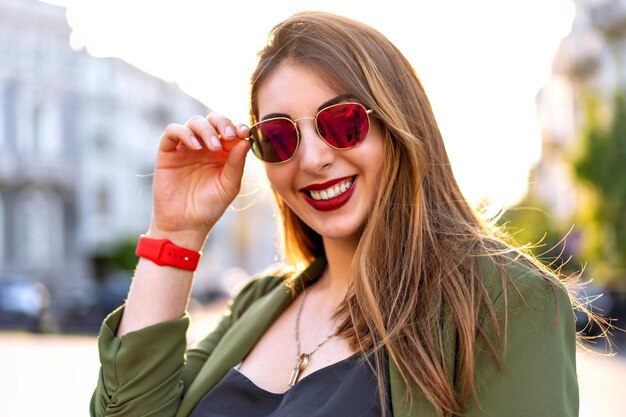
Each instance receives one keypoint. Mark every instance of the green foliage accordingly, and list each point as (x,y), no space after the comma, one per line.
(602,167)
(122,254)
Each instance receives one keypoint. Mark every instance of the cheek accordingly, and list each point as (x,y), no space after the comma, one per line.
(279,179)
(373,160)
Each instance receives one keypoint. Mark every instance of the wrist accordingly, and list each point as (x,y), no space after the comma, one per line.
(189,239)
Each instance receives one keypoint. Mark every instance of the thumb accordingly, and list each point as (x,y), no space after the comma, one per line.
(233,168)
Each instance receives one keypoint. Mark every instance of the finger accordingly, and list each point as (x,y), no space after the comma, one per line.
(204,130)
(242,131)
(224,126)
(175,134)
(233,169)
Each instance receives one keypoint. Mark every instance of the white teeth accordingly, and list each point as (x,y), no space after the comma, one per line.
(331,192)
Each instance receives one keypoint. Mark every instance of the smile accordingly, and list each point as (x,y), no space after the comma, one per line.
(330,195)
(331,192)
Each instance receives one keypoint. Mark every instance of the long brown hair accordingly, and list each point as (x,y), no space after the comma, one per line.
(420,253)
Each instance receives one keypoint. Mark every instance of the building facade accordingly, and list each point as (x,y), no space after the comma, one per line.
(78,136)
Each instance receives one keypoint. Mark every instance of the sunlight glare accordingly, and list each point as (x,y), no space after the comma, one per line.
(481,63)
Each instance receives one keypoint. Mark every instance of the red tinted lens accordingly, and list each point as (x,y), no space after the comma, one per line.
(274,140)
(343,125)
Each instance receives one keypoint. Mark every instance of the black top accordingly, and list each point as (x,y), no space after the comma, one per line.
(346,388)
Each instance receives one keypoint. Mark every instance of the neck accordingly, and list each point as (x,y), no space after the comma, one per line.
(339,254)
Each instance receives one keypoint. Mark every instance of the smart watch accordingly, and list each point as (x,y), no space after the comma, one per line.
(165,253)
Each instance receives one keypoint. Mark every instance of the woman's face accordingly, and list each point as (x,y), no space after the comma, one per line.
(317,171)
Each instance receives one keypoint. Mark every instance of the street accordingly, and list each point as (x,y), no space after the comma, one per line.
(54,375)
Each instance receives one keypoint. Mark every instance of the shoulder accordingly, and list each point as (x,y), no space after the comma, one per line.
(256,287)
(525,302)
(516,283)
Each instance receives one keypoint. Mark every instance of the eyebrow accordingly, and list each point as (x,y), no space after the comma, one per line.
(335,100)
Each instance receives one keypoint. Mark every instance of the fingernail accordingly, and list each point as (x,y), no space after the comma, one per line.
(215,142)
(196,142)
(230,132)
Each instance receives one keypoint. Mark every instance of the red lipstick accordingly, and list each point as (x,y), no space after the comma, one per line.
(331,203)
(326,184)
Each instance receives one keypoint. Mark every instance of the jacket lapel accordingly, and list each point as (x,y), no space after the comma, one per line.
(239,340)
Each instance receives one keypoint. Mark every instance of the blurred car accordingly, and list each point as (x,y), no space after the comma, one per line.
(23,303)
(86,309)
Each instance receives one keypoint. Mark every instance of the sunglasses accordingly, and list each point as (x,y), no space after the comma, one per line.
(341,126)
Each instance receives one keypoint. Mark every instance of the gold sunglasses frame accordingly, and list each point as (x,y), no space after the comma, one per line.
(295,124)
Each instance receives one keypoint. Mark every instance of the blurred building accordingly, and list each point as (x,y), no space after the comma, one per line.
(78,136)
(590,62)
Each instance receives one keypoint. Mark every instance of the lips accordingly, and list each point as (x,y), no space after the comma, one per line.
(329,203)
(325,185)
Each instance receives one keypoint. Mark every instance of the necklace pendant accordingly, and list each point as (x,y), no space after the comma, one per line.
(301,364)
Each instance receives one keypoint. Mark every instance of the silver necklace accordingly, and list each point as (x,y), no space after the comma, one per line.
(302,359)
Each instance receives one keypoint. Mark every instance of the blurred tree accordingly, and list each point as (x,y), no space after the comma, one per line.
(114,258)
(122,254)
(602,167)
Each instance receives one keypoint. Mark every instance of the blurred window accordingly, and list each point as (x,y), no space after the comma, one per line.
(9,111)
(102,142)
(39,225)
(36,126)
(2,115)
(2,235)
(46,128)
(103,200)
(68,127)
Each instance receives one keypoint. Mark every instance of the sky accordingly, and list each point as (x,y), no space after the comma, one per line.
(482,63)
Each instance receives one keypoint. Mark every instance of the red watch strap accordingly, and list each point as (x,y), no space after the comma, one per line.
(165,253)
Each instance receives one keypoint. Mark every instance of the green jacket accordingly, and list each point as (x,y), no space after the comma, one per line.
(150,372)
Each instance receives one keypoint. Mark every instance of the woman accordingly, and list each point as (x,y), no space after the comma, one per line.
(403,301)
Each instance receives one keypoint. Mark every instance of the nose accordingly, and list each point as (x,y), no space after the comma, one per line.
(314,155)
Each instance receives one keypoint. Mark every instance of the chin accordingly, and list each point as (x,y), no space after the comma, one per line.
(340,233)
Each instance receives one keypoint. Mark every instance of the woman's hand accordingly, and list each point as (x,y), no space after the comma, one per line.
(197,175)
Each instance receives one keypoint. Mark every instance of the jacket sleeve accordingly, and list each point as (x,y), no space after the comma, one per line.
(537,376)
(140,371)
(146,372)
